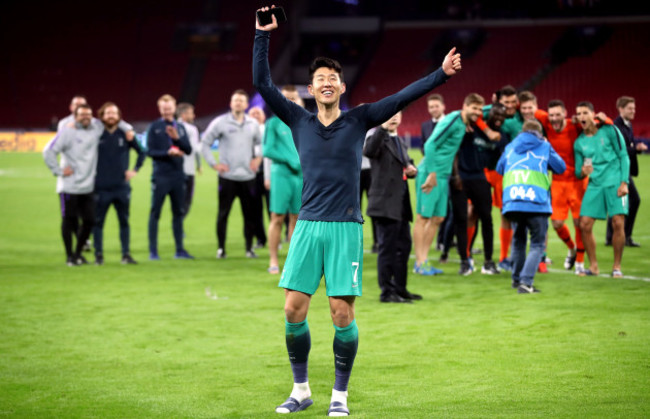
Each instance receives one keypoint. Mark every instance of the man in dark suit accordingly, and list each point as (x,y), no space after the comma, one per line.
(626,109)
(389,205)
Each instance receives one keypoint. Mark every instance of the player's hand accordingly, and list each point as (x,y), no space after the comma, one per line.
(601,117)
(175,152)
(221,168)
(430,183)
(451,63)
(411,171)
(172,132)
(267,184)
(493,135)
(130,135)
(130,174)
(67,171)
(587,169)
(270,26)
(199,170)
(622,190)
(641,146)
(255,164)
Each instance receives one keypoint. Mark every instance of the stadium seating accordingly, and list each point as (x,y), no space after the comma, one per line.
(129,54)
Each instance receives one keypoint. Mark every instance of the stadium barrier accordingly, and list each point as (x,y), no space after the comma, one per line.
(24,141)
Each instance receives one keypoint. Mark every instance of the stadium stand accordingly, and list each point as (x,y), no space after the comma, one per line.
(131,53)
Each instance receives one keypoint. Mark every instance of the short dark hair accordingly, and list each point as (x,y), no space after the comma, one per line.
(101,110)
(623,101)
(474,99)
(507,90)
(497,108)
(84,106)
(586,104)
(556,102)
(240,92)
(320,62)
(527,96)
(436,96)
(183,107)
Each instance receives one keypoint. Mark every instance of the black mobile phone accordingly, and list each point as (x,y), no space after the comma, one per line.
(264,18)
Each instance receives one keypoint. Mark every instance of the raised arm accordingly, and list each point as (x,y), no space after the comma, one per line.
(380,111)
(283,108)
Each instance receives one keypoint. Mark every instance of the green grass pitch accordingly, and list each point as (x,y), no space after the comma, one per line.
(205,338)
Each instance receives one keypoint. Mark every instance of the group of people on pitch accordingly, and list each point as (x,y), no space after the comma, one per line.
(327,241)
(466,160)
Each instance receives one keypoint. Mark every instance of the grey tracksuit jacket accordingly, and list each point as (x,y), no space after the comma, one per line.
(238,145)
(78,149)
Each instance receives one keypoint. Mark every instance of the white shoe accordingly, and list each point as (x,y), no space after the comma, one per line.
(579,267)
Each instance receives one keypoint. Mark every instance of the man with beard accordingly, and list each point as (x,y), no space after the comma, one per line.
(601,154)
(432,190)
(566,190)
(112,185)
(76,177)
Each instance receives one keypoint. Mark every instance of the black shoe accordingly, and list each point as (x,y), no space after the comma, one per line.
(515,284)
(259,245)
(251,254)
(629,242)
(70,261)
(465,268)
(410,296)
(394,298)
(128,260)
(490,268)
(527,289)
(80,260)
(99,259)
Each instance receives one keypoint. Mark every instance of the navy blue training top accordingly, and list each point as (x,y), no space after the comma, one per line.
(158,144)
(331,156)
(113,159)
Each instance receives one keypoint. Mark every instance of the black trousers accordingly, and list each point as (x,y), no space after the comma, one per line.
(635,203)
(478,191)
(258,207)
(189,194)
(75,207)
(120,198)
(160,188)
(228,191)
(365,180)
(394,247)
